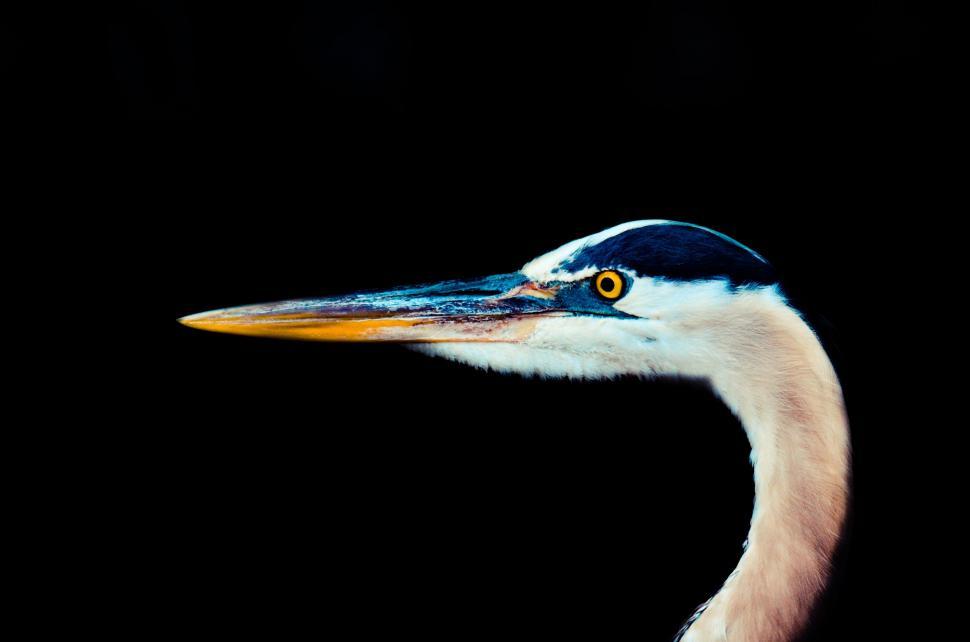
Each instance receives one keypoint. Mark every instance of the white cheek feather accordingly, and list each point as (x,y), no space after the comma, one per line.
(667,338)
(656,298)
(573,347)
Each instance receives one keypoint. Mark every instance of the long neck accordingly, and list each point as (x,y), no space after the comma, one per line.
(781,385)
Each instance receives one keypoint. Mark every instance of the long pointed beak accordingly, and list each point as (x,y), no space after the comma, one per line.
(503,308)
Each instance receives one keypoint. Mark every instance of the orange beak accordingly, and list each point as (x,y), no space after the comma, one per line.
(503,308)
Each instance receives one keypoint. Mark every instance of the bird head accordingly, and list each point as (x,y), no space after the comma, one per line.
(631,299)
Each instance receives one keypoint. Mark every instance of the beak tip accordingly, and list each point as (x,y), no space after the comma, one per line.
(194,320)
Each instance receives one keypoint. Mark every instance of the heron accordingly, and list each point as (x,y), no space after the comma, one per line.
(648,298)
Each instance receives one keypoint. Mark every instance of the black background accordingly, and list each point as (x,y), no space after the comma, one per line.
(309,149)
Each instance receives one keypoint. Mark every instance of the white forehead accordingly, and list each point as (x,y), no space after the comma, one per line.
(545,267)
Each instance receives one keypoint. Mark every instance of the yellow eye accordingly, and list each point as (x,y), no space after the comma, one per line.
(609,284)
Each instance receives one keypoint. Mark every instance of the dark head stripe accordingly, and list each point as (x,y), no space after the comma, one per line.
(677,251)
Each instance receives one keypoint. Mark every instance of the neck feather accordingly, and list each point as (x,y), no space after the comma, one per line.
(777,379)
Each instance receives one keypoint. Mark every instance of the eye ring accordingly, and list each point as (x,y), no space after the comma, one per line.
(609,284)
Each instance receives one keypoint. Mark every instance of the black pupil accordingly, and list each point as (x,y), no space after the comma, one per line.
(607,284)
